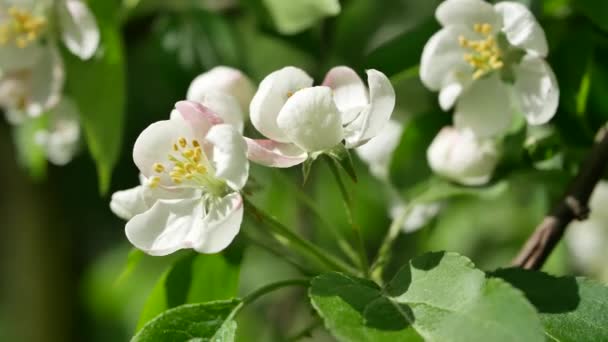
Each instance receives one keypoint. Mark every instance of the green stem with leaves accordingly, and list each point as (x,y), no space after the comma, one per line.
(291,239)
(385,248)
(360,245)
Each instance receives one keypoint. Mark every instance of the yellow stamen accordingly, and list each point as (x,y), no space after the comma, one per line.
(485,55)
(154,181)
(21,27)
(159,168)
(182,142)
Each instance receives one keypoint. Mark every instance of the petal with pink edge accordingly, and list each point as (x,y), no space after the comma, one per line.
(274,154)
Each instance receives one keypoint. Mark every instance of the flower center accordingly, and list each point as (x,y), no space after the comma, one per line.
(485,56)
(20,27)
(189,165)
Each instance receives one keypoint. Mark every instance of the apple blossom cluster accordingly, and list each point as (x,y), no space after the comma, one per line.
(488,63)
(31,69)
(194,165)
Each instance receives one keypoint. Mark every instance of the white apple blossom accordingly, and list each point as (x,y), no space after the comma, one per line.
(377,154)
(61,137)
(587,240)
(488,61)
(459,155)
(302,120)
(226,91)
(31,70)
(192,169)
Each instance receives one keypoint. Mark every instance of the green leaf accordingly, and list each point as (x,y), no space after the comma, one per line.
(133,259)
(31,155)
(438,297)
(571,309)
(98,88)
(595,10)
(192,322)
(194,278)
(409,165)
(291,17)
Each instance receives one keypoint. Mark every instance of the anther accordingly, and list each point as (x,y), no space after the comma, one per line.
(158,167)
(182,142)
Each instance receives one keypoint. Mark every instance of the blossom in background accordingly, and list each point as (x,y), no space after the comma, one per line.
(192,169)
(377,154)
(459,155)
(31,70)
(302,120)
(488,61)
(226,91)
(61,137)
(587,240)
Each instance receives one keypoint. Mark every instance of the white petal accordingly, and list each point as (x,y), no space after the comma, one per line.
(155,144)
(521,28)
(225,106)
(60,140)
(199,117)
(222,223)
(79,29)
(460,156)
(169,225)
(449,94)
(350,94)
(536,90)
(13,58)
(226,80)
(375,116)
(419,215)
(485,108)
(128,203)
(443,58)
(310,119)
(229,155)
(47,79)
(466,12)
(274,154)
(377,153)
(272,94)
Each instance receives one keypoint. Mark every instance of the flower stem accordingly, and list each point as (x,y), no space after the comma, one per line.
(264,290)
(310,204)
(360,245)
(385,248)
(307,248)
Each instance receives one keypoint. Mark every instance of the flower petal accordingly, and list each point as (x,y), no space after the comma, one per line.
(274,154)
(310,119)
(460,156)
(521,28)
(443,59)
(229,155)
(225,106)
(201,118)
(222,223)
(375,116)
(79,30)
(226,80)
(467,13)
(169,225)
(13,58)
(46,82)
(60,139)
(128,203)
(484,108)
(536,90)
(272,94)
(350,94)
(449,94)
(155,144)
(377,152)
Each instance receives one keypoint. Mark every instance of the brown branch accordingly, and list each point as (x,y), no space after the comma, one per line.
(574,205)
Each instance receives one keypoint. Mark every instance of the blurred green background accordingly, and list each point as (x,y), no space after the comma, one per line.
(64,267)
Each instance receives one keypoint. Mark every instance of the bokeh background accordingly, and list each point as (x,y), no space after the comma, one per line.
(64,260)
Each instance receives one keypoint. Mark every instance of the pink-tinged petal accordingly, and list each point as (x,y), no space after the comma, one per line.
(350,94)
(274,154)
(198,115)
(229,155)
(225,106)
(222,223)
(373,118)
(79,29)
(311,120)
(522,29)
(467,13)
(168,226)
(225,80)
(270,98)
(156,143)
